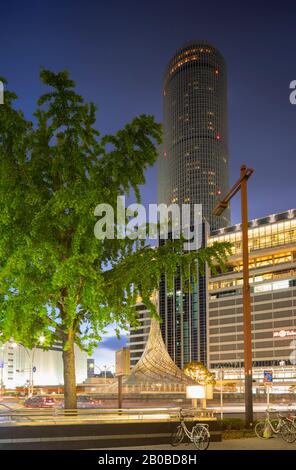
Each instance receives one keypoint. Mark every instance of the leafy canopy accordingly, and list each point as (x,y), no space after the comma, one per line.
(198,371)
(55,276)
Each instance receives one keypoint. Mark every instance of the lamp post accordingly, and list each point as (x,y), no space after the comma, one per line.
(221,392)
(105,370)
(30,368)
(241,185)
(2,367)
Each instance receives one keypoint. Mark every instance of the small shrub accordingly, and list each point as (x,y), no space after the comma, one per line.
(242,434)
(232,424)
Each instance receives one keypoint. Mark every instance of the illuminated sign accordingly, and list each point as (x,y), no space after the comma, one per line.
(268,377)
(200,391)
(122,362)
(284,333)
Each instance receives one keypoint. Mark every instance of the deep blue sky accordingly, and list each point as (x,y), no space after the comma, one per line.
(117,51)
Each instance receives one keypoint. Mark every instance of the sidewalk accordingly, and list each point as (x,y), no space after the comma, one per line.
(252,443)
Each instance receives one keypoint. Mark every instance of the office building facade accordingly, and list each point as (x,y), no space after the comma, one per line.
(192,169)
(272,245)
(137,337)
(184,316)
(193,162)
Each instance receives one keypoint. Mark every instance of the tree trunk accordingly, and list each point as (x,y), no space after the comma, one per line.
(69,372)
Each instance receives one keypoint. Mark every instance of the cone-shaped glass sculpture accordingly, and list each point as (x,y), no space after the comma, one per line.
(156,366)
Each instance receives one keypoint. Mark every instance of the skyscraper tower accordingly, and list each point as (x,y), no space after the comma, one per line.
(193,165)
(192,168)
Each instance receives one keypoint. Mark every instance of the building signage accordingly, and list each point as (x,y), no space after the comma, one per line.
(268,377)
(196,391)
(122,362)
(284,333)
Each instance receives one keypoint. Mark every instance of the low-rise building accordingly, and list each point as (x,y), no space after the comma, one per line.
(19,365)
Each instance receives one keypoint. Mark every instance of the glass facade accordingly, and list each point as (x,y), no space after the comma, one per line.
(184,317)
(273,295)
(192,168)
(271,234)
(207,324)
(193,162)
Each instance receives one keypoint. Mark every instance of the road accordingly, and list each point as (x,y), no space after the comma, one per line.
(228,407)
(235,408)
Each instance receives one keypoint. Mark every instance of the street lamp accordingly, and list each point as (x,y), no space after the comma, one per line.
(221,392)
(241,185)
(41,339)
(2,360)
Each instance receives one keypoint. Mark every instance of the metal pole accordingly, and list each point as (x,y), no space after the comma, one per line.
(203,403)
(119,391)
(32,373)
(30,369)
(2,368)
(194,403)
(267,386)
(221,392)
(246,303)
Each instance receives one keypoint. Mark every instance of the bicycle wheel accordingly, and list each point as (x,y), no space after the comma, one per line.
(177,436)
(201,437)
(288,432)
(263,430)
(275,423)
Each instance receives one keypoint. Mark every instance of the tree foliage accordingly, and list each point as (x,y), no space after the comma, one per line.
(56,278)
(199,372)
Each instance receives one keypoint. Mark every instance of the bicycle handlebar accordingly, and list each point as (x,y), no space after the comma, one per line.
(187,412)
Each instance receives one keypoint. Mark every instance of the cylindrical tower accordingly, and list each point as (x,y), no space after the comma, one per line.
(193,165)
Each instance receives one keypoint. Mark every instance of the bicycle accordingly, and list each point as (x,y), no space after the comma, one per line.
(282,426)
(292,419)
(199,434)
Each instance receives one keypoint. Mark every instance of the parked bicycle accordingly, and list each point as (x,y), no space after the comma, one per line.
(281,425)
(199,434)
(292,417)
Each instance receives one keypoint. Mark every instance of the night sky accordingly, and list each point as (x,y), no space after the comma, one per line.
(117,51)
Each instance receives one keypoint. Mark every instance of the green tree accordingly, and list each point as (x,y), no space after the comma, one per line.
(198,371)
(56,278)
